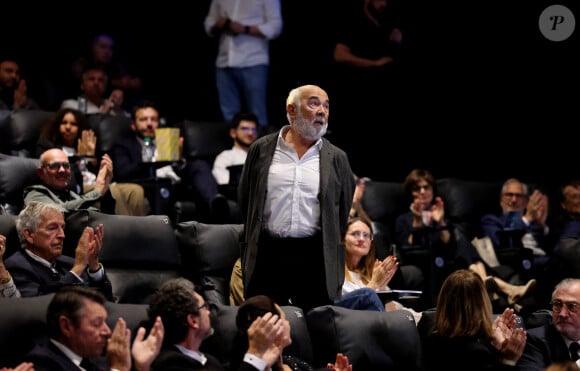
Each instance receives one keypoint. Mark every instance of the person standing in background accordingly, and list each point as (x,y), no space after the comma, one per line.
(245,29)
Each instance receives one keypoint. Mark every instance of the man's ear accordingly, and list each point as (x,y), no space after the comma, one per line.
(133,126)
(193,321)
(291,109)
(28,235)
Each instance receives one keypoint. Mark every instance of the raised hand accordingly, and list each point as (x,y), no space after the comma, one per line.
(118,347)
(341,363)
(143,350)
(87,143)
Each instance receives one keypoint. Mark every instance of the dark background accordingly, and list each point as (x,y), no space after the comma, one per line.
(485,95)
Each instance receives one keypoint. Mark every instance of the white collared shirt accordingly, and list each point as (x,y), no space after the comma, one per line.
(295,182)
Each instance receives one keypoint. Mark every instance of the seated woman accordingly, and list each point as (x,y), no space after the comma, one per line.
(257,306)
(364,274)
(465,335)
(70,131)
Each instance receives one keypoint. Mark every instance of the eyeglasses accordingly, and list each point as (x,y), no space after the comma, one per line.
(57,165)
(204,305)
(364,235)
(516,195)
(557,306)
(418,188)
(245,128)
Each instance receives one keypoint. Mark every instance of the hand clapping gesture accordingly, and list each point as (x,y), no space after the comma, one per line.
(383,272)
(537,208)
(508,339)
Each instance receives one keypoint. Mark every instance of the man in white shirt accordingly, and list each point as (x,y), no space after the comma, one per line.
(245,29)
(244,132)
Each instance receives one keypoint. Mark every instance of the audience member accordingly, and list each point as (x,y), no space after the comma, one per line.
(192,177)
(523,212)
(54,172)
(93,87)
(70,131)
(295,198)
(365,275)
(244,132)
(554,342)
(241,69)
(465,335)
(257,307)
(102,54)
(40,268)
(7,286)
(13,90)
(187,322)
(366,53)
(79,337)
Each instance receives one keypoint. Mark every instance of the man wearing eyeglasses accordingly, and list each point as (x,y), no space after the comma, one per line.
(55,174)
(559,340)
(524,212)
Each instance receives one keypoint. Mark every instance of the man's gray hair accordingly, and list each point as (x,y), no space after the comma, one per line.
(29,218)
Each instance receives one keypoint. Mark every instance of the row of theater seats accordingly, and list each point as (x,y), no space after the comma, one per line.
(20,130)
(142,252)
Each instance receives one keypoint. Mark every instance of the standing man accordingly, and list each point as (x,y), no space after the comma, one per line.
(245,29)
(295,194)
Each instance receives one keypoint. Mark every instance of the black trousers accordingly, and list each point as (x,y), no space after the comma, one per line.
(291,271)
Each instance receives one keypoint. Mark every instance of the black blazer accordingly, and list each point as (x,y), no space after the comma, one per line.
(172,359)
(47,357)
(128,160)
(544,345)
(34,279)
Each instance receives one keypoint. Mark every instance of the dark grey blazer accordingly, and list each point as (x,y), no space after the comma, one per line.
(544,345)
(336,191)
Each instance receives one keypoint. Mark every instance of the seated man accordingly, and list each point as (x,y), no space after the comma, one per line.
(55,173)
(40,268)
(78,335)
(13,88)
(524,212)
(187,322)
(192,176)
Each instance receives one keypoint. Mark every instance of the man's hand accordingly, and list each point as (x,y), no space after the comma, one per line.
(145,351)
(20,96)
(87,143)
(118,345)
(105,175)
(262,336)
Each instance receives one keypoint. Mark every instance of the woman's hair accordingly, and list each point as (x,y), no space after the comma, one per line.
(51,130)
(367,263)
(252,308)
(415,176)
(463,306)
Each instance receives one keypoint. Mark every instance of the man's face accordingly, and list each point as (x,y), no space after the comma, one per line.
(245,134)
(9,75)
(94,83)
(103,49)
(89,338)
(205,328)
(513,198)
(571,203)
(54,171)
(565,314)
(146,121)
(311,121)
(47,240)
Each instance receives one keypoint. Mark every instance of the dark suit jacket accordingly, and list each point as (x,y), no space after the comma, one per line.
(171,359)
(462,353)
(544,345)
(335,197)
(47,357)
(491,224)
(128,160)
(34,279)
